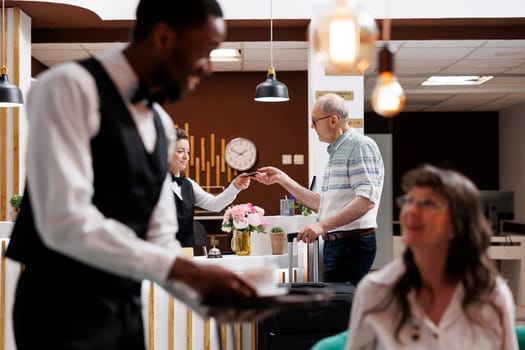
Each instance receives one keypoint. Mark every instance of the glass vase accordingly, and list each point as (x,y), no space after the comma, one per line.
(241,242)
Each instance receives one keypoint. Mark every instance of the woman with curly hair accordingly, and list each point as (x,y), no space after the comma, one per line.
(444,293)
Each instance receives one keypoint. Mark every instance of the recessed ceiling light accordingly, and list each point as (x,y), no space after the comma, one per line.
(456,80)
(225,55)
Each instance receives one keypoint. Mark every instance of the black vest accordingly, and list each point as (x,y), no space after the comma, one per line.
(127,186)
(185,209)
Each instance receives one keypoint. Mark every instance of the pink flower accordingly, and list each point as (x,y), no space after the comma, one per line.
(241,223)
(244,216)
(254,219)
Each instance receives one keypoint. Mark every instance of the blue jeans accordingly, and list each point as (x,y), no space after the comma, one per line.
(349,259)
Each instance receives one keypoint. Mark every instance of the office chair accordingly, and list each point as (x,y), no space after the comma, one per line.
(201,238)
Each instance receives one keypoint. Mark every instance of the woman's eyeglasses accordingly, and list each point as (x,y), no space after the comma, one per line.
(426,204)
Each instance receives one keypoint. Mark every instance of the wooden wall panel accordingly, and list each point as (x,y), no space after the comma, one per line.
(223,105)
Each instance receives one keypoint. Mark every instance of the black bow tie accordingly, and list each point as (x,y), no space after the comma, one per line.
(143,93)
(178,179)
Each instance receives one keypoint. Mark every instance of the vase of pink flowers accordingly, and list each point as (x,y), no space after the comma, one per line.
(241,220)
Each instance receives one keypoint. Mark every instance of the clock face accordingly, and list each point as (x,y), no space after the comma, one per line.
(240,153)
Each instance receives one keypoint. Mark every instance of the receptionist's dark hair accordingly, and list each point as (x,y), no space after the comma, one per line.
(181,134)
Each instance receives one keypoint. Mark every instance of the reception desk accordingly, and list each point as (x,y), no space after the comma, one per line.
(169,324)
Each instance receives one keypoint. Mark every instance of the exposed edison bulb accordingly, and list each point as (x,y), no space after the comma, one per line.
(344,38)
(388,97)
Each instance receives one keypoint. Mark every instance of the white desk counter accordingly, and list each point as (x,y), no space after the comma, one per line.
(5,229)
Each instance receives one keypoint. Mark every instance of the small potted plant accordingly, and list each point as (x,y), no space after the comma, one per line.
(277,238)
(305,211)
(16,202)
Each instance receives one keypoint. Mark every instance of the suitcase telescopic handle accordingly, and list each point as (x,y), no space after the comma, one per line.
(290,237)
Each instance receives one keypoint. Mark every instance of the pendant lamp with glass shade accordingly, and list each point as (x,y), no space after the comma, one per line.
(10,95)
(344,38)
(388,97)
(271,90)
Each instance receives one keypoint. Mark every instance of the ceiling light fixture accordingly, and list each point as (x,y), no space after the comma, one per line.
(10,95)
(456,80)
(271,90)
(388,97)
(344,38)
(225,55)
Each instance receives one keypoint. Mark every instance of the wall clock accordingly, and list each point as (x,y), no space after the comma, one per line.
(240,153)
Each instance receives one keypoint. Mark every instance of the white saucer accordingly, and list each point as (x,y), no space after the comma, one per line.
(272,291)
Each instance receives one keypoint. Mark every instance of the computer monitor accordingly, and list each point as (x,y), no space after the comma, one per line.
(497,206)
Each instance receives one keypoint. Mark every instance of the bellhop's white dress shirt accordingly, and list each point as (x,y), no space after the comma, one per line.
(62,108)
(376,330)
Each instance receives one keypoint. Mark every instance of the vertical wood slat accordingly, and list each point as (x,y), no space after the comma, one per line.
(2,296)
(212,149)
(253,335)
(197,170)
(238,336)
(171,323)
(189,329)
(223,161)
(208,175)
(151,317)
(207,335)
(217,171)
(228,174)
(16,111)
(224,334)
(203,153)
(16,151)
(3,164)
(192,153)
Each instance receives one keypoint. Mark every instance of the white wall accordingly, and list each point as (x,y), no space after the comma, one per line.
(512,156)
(384,232)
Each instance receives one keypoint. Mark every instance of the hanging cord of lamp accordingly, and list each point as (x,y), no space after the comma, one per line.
(271,90)
(388,97)
(10,95)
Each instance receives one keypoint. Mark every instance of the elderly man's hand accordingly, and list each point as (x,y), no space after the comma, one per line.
(310,232)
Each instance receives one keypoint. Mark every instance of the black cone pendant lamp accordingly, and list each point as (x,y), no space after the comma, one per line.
(10,95)
(271,90)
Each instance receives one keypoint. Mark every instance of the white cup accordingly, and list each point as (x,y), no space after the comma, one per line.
(263,278)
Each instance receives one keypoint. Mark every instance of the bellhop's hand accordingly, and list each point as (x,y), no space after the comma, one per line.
(310,232)
(211,281)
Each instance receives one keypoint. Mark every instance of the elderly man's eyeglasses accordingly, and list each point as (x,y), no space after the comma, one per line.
(314,121)
(425,204)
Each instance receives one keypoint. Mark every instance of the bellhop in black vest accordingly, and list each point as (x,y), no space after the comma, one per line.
(127,186)
(185,210)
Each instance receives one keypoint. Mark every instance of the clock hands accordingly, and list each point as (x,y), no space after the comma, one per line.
(234,151)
